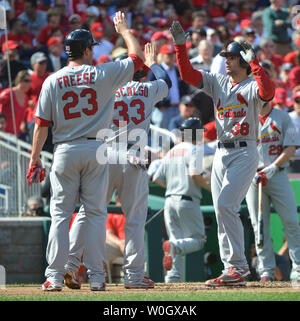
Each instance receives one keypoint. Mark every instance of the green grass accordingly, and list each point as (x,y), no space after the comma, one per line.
(207,296)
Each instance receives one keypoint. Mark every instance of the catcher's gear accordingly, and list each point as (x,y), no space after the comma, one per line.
(35,175)
(178,34)
(77,41)
(237,49)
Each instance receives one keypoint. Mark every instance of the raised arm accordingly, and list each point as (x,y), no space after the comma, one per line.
(266,87)
(186,70)
(134,49)
(150,62)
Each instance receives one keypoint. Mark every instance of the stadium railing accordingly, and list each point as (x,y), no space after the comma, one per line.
(14,189)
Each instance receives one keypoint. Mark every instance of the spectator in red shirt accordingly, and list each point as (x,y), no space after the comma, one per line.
(245,10)
(78,7)
(61,5)
(159,38)
(184,11)
(40,73)
(294,56)
(294,77)
(19,34)
(115,236)
(10,53)
(20,101)
(216,13)
(232,22)
(267,52)
(18,7)
(53,17)
(280,98)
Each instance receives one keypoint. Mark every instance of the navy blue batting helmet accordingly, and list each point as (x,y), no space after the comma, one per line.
(235,48)
(77,41)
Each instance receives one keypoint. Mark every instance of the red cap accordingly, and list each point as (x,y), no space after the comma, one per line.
(97,29)
(280,96)
(163,22)
(158,35)
(298,41)
(53,41)
(245,23)
(296,94)
(232,16)
(103,59)
(167,49)
(10,44)
(189,44)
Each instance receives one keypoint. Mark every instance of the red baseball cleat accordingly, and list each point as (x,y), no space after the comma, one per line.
(169,253)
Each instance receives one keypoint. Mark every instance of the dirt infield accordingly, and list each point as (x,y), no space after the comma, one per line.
(35,290)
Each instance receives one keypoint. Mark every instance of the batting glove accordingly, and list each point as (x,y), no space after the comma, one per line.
(260,177)
(249,54)
(270,170)
(178,34)
(265,174)
(35,175)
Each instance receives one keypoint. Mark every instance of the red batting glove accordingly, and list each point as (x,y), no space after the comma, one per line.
(261,177)
(35,175)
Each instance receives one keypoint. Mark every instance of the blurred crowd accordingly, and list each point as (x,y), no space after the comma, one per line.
(36,31)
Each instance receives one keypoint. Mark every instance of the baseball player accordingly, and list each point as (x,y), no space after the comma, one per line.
(237,99)
(133,105)
(277,143)
(180,172)
(78,99)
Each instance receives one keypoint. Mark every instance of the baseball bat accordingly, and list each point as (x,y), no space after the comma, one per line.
(260,223)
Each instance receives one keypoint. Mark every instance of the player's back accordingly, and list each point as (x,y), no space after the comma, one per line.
(79,100)
(177,164)
(134,103)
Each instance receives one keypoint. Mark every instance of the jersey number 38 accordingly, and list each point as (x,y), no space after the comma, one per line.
(242,129)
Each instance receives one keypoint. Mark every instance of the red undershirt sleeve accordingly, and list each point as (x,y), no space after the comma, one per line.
(266,87)
(42,122)
(186,70)
(137,61)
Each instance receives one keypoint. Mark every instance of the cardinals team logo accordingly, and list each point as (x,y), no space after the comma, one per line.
(228,112)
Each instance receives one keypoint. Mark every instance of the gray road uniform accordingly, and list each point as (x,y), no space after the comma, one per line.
(79,102)
(133,104)
(182,213)
(236,112)
(275,134)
